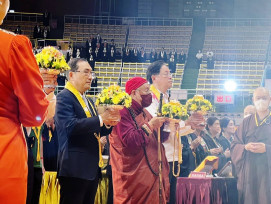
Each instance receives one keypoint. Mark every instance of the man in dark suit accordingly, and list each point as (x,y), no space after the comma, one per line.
(182,57)
(153,56)
(163,55)
(112,54)
(89,47)
(37,31)
(142,55)
(18,30)
(105,51)
(78,127)
(126,56)
(98,53)
(134,55)
(174,53)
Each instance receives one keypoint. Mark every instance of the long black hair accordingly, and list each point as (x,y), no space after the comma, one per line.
(224,122)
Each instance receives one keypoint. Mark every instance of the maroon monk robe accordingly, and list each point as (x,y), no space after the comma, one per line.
(133,180)
(253,170)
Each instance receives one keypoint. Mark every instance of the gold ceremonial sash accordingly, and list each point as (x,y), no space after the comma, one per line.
(256,120)
(155,92)
(76,93)
(180,160)
(37,133)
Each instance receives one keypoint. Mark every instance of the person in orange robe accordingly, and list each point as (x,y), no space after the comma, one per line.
(22,102)
(134,150)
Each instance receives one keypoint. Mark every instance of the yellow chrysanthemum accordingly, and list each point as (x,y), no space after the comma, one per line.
(198,103)
(199,97)
(102,99)
(51,58)
(175,110)
(193,107)
(114,95)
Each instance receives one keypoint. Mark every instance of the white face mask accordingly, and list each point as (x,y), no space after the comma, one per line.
(261,105)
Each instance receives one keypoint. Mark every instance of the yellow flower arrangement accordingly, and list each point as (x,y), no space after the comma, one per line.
(174,110)
(198,104)
(51,58)
(113,95)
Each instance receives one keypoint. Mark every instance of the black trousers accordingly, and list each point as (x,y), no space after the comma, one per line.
(76,190)
(37,185)
(34,185)
(30,177)
(110,190)
(172,182)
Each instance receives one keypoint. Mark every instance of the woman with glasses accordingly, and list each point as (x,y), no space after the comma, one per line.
(213,145)
(195,140)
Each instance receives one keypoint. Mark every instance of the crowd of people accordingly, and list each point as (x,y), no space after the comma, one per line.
(41,32)
(95,49)
(136,55)
(38,33)
(98,49)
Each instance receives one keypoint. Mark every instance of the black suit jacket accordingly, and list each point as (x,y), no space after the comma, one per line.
(78,153)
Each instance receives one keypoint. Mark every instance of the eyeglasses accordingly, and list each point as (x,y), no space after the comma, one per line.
(87,73)
(166,75)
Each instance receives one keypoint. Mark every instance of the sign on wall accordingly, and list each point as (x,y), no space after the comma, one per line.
(224,99)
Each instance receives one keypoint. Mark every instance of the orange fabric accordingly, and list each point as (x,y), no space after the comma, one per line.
(133,181)
(22,102)
(13,191)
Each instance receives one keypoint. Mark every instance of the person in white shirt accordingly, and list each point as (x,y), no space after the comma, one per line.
(199,57)
(160,78)
(77,53)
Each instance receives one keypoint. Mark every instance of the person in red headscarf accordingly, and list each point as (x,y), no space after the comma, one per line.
(133,150)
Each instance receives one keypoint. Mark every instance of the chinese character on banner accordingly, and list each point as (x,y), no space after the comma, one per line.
(224,99)
(228,99)
(219,99)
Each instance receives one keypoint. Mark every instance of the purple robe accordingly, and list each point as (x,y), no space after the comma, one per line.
(253,170)
(133,180)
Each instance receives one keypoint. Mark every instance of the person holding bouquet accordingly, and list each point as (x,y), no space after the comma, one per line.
(79,128)
(134,150)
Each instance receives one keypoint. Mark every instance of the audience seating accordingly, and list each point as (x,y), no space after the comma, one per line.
(82,32)
(236,43)
(156,37)
(111,73)
(27,27)
(247,75)
(239,48)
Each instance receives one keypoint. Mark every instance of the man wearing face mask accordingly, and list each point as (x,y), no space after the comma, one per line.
(133,150)
(251,152)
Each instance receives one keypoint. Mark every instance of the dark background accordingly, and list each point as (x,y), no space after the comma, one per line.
(143,8)
(159,8)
